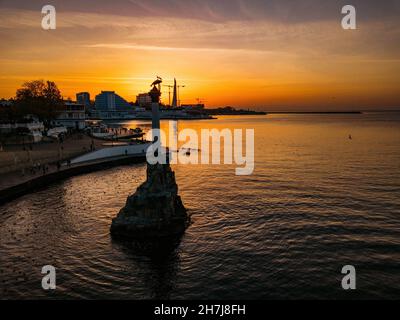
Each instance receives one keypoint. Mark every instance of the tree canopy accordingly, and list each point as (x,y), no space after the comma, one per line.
(38,98)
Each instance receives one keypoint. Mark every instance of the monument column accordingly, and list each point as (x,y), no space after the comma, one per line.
(155,107)
(155,210)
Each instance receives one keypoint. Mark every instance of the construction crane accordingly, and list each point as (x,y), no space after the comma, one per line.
(179,100)
(176,94)
(169,93)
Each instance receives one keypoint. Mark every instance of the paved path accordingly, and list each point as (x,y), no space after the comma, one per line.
(13,186)
(46,154)
(16,178)
(15,158)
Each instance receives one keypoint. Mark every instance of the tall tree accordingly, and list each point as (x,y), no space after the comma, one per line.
(39,98)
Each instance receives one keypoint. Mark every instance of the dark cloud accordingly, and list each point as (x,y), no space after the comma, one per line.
(285,11)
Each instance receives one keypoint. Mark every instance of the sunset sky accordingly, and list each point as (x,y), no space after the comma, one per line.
(267,54)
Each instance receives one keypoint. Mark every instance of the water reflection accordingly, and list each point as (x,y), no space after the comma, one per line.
(161,259)
(316,202)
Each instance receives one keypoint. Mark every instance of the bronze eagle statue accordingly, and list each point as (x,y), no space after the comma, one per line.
(156,82)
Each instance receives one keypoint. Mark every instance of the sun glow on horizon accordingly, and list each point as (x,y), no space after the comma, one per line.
(244,63)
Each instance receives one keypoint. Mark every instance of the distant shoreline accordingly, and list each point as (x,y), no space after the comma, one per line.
(228,111)
(314,112)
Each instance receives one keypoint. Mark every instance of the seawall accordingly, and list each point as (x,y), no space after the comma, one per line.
(34,184)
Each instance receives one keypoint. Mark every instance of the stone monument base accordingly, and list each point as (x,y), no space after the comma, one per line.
(155,210)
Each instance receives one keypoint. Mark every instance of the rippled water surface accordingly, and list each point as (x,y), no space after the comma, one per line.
(317,201)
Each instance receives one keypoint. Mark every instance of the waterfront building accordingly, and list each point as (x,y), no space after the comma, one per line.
(197,106)
(110,101)
(83,98)
(32,128)
(109,105)
(143,100)
(71,115)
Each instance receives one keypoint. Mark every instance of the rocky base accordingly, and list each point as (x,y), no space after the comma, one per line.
(155,210)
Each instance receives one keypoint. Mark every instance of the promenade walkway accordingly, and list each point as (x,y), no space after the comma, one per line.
(19,157)
(14,183)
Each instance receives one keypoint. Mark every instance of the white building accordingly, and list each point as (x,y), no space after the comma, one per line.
(71,116)
(34,129)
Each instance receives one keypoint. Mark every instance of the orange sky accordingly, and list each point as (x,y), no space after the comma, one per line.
(258,63)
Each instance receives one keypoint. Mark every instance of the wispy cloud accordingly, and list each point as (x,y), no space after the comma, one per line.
(284,11)
(267,44)
(376,39)
(182,49)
